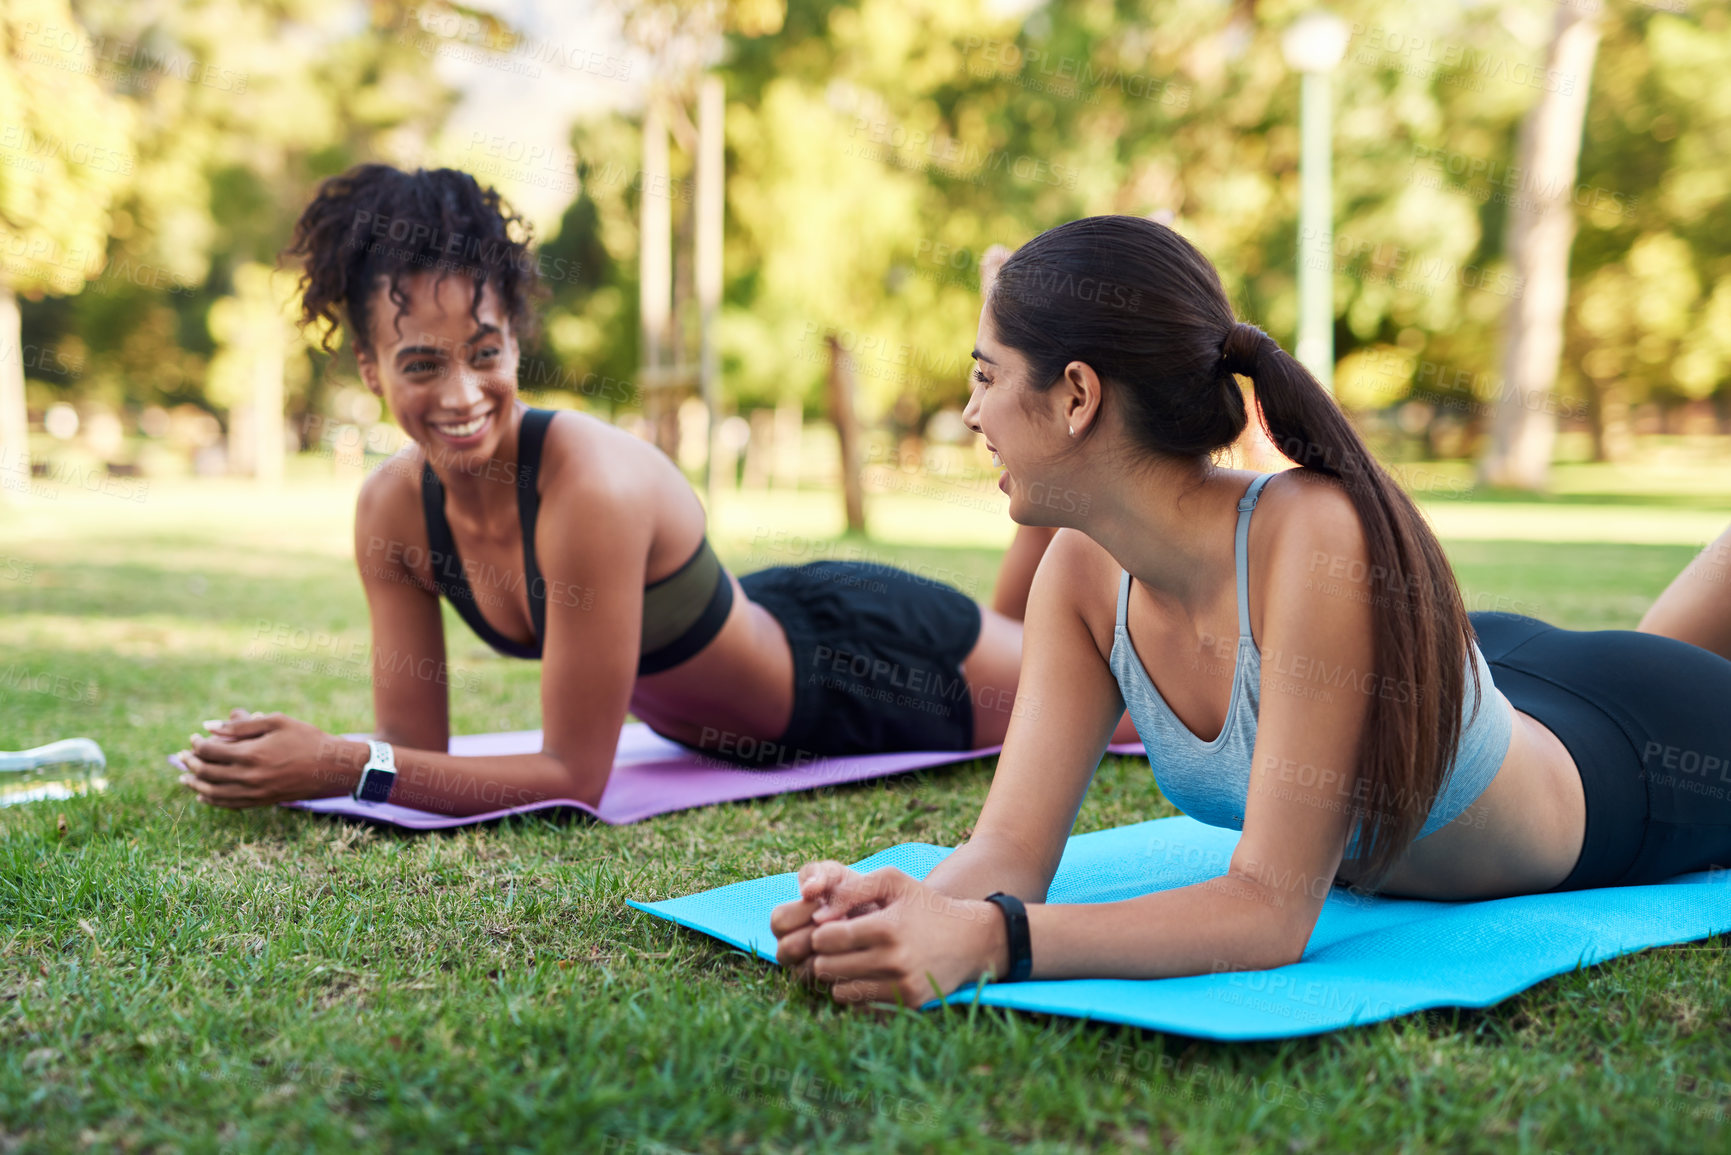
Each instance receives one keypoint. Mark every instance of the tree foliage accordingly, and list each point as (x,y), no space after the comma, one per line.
(876,148)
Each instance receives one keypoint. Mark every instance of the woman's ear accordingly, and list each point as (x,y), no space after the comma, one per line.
(1080,397)
(369,367)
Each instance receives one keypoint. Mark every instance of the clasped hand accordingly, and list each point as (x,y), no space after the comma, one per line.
(885,937)
(259,759)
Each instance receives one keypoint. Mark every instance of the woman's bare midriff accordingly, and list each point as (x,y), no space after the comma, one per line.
(738,686)
(1521,836)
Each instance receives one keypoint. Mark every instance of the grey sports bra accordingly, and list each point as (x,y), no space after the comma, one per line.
(1210,781)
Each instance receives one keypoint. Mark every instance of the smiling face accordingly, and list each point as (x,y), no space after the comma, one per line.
(449,377)
(1028,430)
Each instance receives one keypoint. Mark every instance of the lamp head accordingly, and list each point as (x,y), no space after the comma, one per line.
(1315,42)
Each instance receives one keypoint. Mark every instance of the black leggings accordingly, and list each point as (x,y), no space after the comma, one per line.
(1647,720)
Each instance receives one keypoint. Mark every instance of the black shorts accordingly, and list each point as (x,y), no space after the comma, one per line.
(1647,720)
(877,657)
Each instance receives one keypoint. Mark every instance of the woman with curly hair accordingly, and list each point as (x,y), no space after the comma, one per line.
(559,537)
(1294,651)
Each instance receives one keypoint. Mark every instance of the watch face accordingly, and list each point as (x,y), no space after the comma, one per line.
(375,784)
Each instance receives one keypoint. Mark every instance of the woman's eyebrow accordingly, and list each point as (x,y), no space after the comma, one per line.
(979,356)
(486,330)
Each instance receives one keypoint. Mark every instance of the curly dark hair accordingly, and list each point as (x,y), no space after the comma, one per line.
(377,221)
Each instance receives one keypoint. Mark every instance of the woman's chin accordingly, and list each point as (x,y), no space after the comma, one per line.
(1025,509)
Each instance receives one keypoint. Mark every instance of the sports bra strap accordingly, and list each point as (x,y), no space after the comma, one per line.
(1241,561)
(448,574)
(530,436)
(1241,552)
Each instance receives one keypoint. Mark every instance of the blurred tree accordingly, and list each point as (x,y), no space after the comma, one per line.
(240,107)
(974,128)
(64,154)
(254,328)
(877,147)
(1649,323)
(591,330)
(1541,230)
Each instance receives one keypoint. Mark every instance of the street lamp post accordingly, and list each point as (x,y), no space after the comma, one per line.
(1313,45)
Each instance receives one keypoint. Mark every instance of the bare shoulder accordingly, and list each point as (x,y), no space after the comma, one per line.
(1310,554)
(1309,525)
(390,497)
(588,459)
(1078,575)
(613,490)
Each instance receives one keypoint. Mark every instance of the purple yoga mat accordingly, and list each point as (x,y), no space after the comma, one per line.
(652,775)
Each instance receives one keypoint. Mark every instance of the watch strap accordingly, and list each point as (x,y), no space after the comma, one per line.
(1016,930)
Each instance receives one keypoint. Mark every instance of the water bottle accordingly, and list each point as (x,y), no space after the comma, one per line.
(58,770)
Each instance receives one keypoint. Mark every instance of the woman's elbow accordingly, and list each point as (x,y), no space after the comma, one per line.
(1294,939)
(578,779)
(1267,951)
(1275,930)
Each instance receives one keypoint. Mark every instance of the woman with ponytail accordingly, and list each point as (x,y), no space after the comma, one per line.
(560,538)
(1308,675)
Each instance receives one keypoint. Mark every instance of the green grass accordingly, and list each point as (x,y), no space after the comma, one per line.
(177,978)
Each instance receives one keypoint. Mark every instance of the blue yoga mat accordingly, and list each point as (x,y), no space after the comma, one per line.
(1369,958)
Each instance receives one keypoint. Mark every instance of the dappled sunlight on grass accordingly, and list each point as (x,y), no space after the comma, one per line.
(228,518)
(1643,525)
(147,636)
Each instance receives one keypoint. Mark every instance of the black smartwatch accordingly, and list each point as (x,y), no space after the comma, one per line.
(1016,930)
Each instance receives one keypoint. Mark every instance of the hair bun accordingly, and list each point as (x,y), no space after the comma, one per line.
(1242,349)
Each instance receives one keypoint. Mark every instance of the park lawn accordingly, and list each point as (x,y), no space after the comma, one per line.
(181,978)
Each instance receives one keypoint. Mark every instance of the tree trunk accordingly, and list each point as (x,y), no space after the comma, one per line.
(14,418)
(655,286)
(1612,436)
(841,390)
(269,352)
(1541,230)
(711,203)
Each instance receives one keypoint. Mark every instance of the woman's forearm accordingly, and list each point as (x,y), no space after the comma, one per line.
(980,867)
(459,785)
(1222,924)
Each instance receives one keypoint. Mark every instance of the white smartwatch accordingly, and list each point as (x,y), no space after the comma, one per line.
(379,774)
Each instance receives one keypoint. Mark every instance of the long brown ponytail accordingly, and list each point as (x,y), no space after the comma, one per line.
(1146,310)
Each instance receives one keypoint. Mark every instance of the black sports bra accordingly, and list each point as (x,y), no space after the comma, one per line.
(682,612)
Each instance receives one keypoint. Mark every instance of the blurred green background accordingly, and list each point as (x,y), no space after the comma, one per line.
(153,158)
